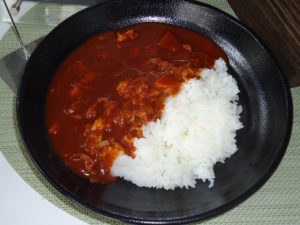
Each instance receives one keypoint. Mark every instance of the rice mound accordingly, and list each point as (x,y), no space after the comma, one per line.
(197,129)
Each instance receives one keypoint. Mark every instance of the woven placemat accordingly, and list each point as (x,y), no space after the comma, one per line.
(277,202)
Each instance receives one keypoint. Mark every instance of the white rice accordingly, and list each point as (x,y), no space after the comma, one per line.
(197,130)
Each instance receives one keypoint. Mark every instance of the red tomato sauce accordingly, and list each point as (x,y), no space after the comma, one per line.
(112,85)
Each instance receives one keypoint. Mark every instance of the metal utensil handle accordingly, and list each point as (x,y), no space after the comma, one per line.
(15,8)
(27,54)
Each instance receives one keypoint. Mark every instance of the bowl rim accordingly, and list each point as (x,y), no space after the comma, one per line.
(203,216)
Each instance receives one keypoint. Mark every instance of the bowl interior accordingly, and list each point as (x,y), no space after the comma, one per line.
(264,96)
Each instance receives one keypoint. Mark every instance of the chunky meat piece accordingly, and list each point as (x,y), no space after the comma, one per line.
(128,88)
(163,67)
(75,92)
(130,34)
(169,42)
(54,129)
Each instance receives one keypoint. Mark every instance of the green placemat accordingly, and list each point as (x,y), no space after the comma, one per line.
(276,203)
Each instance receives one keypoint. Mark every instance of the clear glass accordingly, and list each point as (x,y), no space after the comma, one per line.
(49,14)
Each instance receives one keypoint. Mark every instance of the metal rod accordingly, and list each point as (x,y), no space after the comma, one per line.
(15,8)
(27,54)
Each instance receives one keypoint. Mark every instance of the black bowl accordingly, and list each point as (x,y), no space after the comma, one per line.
(265,97)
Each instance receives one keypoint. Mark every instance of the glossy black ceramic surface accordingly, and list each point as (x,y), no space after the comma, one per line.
(265,97)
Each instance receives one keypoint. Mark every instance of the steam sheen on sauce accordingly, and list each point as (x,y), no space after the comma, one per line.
(112,85)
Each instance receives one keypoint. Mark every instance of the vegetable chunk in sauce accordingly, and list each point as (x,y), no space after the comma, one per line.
(112,85)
